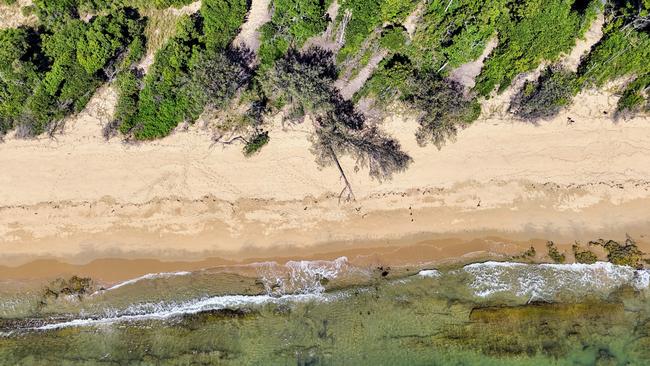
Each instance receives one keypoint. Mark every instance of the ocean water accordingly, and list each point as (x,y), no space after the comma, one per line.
(332,313)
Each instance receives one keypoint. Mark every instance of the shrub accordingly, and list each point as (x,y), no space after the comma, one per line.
(452,33)
(220,74)
(301,79)
(389,80)
(445,108)
(393,38)
(624,48)
(221,21)
(367,16)
(292,23)
(546,96)
(254,144)
(635,97)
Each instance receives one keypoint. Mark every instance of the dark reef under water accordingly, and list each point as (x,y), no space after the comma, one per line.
(481,314)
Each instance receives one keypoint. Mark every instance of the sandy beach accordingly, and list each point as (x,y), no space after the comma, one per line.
(75,198)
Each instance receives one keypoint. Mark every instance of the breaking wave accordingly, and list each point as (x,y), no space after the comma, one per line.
(149,276)
(295,281)
(166,311)
(302,277)
(546,281)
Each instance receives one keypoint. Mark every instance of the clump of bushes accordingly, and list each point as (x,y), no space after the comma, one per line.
(393,38)
(525,39)
(292,23)
(51,72)
(368,16)
(193,69)
(555,254)
(254,144)
(389,80)
(546,96)
(635,97)
(445,109)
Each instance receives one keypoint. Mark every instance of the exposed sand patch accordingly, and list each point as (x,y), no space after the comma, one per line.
(161,26)
(258,15)
(81,197)
(411,21)
(348,88)
(327,40)
(466,74)
(583,46)
(11,16)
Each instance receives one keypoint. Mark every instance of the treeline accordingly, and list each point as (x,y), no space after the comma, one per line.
(196,68)
(50,71)
(623,52)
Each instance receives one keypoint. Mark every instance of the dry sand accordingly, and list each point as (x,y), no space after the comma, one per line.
(259,14)
(79,198)
(11,16)
(77,203)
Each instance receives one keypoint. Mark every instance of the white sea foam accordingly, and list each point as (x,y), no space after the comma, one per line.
(301,277)
(433,273)
(295,281)
(166,311)
(149,276)
(642,279)
(546,281)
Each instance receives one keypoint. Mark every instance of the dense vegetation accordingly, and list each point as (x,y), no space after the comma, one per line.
(622,53)
(194,68)
(292,23)
(545,96)
(51,70)
(366,17)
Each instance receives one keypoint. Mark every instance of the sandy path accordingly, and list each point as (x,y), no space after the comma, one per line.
(161,27)
(466,74)
(583,46)
(258,15)
(80,197)
(11,16)
(348,88)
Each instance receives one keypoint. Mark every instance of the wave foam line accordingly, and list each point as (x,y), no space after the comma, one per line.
(544,281)
(148,276)
(213,303)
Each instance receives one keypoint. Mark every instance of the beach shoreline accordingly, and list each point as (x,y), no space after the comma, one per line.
(76,197)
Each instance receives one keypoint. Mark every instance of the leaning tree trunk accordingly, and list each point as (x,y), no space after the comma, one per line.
(348,187)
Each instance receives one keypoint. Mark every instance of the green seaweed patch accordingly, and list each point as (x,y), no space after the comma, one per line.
(527,255)
(541,311)
(75,285)
(584,256)
(534,329)
(555,254)
(626,254)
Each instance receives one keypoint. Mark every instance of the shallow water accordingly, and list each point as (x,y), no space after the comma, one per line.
(328,312)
